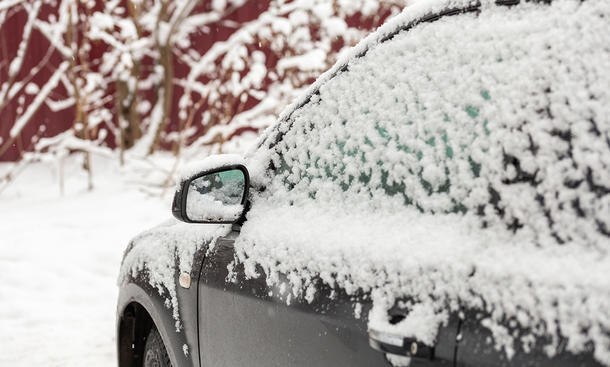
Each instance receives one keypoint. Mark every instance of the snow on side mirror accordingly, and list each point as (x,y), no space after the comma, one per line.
(216,195)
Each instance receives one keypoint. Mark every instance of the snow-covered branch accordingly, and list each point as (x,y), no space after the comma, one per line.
(156,74)
(40,98)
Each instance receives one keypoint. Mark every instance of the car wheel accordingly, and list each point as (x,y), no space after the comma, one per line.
(155,354)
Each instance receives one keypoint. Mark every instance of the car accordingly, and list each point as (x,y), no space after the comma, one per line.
(439,197)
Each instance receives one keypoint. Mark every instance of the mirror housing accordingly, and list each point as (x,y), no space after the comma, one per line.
(217,195)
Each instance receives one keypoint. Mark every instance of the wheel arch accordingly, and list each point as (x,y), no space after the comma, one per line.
(138,310)
(134,324)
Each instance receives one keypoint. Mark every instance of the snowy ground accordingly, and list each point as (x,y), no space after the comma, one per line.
(59,260)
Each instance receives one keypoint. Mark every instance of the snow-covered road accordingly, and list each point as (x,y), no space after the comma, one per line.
(59,260)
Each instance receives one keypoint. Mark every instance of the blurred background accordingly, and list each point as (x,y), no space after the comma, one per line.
(101,102)
(140,76)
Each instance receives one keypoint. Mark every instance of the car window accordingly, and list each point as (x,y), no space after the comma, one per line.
(482,123)
(375,132)
(367,161)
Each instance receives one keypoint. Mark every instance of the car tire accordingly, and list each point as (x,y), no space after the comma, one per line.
(155,354)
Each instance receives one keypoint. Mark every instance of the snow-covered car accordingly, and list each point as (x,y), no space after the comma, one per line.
(439,197)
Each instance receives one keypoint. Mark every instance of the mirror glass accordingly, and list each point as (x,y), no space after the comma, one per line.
(216,197)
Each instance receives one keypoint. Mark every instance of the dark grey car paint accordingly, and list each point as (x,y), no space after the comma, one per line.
(245,323)
(241,324)
(476,350)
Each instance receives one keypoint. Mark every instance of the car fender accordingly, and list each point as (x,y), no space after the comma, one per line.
(139,291)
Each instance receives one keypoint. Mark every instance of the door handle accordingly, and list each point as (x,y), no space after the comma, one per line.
(395,344)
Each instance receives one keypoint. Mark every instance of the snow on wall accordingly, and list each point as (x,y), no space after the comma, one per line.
(453,168)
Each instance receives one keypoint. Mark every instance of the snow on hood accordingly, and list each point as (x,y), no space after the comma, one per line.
(166,250)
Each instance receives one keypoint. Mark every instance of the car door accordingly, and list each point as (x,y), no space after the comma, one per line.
(244,323)
(475,349)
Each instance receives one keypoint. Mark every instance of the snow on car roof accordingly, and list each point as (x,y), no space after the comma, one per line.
(154,252)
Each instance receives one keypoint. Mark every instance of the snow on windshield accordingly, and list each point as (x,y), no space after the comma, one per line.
(451,167)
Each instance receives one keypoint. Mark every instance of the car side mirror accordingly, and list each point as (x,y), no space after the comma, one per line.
(212,196)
